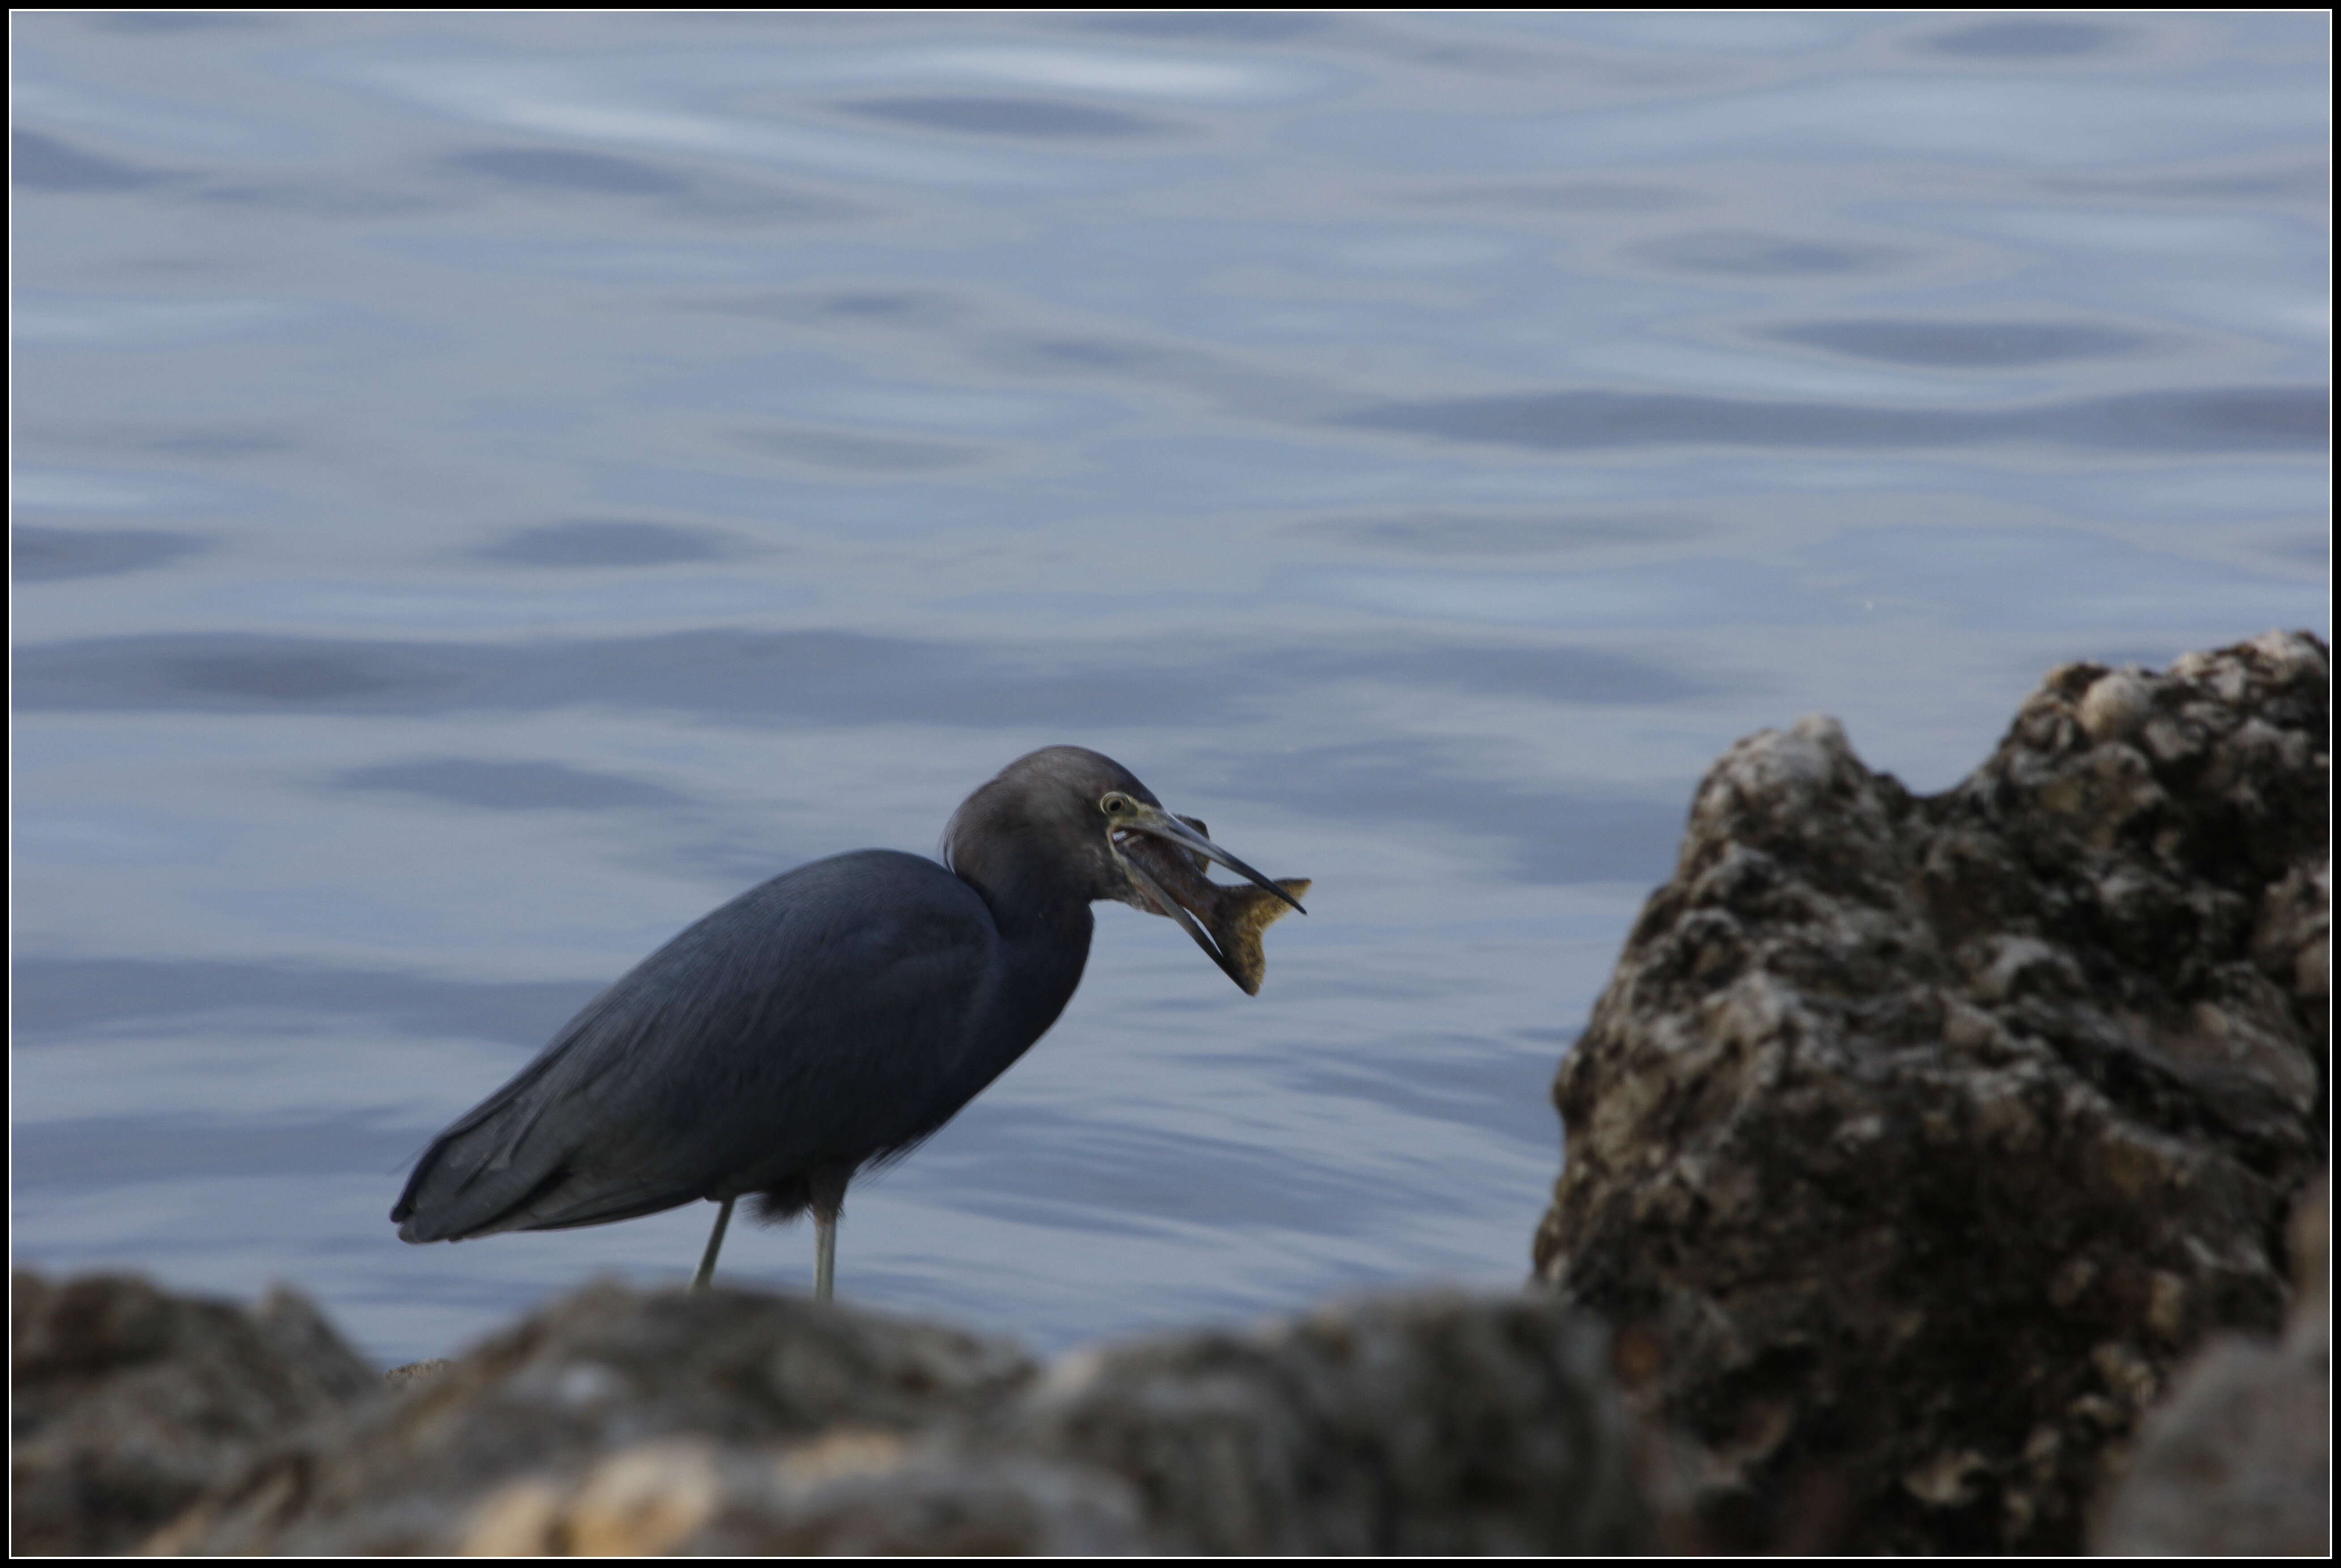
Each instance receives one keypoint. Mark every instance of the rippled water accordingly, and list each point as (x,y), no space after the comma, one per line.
(491,488)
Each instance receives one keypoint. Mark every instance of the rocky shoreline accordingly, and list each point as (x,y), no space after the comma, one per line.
(1920,1138)
(1941,1174)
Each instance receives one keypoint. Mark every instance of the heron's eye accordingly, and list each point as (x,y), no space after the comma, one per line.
(1115,804)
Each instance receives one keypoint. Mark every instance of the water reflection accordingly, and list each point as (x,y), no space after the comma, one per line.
(1564,196)
(857,307)
(38,554)
(2211,419)
(1009,117)
(1760,255)
(594,542)
(2025,40)
(510,786)
(1977,577)
(493,488)
(38,162)
(808,677)
(58,1000)
(1612,836)
(62,1157)
(2303,183)
(1980,344)
(58,320)
(172,21)
(566,170)
(1231,27)
(853,451)
(1452,533)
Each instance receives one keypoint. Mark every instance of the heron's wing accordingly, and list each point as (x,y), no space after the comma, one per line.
(805,1023)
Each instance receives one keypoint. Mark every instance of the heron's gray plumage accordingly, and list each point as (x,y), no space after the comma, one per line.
(826,1020)
(755,1043)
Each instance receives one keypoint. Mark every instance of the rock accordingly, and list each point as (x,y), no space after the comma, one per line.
(856,1492)
(604,1369)
(2239,1461)
(1432,1426)
(128,1402)
(1915,1141)
(736,1423)
(413,1372)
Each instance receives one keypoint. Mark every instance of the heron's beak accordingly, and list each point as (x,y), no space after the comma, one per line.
(1164,855)
(1162,825)
(1165,900)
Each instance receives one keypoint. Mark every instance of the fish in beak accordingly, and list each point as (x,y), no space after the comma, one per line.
(1167,856)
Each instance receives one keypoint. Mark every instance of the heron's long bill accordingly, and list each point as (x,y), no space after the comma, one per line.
(1165,857)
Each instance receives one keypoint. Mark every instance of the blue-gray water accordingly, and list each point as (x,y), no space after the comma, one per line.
(491,488)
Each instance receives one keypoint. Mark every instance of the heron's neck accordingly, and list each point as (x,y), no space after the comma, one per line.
(1044,942)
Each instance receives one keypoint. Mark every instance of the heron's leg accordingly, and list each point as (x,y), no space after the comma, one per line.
(825,1195)
(714,1244)
(825,1254)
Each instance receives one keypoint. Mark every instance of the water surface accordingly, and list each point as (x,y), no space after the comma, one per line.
(490,488)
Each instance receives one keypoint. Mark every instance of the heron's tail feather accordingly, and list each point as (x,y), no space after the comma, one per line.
(493,1176)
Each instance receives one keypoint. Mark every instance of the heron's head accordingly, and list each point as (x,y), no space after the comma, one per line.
(1059,821)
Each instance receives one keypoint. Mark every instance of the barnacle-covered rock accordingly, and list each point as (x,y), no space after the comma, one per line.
(616,1423)
(128,1400)
(1916,1140)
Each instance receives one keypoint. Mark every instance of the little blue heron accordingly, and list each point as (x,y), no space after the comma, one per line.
(823,1022)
